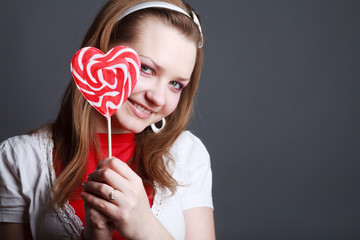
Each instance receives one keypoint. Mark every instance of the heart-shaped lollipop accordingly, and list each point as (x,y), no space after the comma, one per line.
(106,80)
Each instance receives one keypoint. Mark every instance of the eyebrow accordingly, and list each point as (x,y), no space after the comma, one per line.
(161,69)
(153,62)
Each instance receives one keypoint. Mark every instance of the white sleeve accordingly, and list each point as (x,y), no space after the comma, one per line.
(12,200)
(196,175)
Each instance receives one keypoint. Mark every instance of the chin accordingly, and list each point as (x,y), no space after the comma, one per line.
(135,129)
(128,125)
(138,131)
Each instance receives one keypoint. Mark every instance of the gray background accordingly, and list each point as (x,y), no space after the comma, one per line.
(278,106)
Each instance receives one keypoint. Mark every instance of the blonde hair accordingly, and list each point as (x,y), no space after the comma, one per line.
(74,130)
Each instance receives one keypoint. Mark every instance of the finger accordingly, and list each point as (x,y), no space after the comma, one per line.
(97,225)
(98,189)
(101,190)
(95,216)
(105,207)
(109,177)
(118,166)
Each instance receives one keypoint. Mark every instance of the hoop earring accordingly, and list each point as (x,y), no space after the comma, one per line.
(156,129)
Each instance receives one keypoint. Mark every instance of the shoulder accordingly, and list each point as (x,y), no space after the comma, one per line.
(188,143)
(22,146)
(21,142)
(189,155)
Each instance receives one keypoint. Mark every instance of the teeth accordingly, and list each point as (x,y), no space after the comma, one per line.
(140,107)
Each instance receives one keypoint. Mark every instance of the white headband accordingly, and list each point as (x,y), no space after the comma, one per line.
(159,4)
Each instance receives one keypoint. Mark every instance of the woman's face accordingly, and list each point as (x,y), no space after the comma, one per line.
(167,62)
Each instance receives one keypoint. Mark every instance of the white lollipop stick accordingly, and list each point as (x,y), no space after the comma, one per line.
(109,136)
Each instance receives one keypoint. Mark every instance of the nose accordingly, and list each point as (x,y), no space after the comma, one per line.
(157,94)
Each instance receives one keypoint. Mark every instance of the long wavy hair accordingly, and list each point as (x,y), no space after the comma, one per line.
(74,130)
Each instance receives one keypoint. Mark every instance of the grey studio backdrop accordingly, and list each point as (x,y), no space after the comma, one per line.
(278,105)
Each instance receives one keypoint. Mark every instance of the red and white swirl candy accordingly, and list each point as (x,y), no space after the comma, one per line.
(106,80)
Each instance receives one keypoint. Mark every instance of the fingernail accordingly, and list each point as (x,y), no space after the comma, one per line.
(82,195)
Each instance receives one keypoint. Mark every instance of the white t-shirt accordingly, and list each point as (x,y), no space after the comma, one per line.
(27,176)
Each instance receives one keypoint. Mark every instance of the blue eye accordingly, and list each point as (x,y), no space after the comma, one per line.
(147,70)
(178,86)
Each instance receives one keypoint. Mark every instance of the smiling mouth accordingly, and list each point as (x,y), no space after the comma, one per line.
(139,107)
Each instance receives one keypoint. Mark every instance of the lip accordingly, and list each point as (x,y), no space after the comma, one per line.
(138,112)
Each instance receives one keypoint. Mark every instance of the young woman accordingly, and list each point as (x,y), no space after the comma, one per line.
(56,183)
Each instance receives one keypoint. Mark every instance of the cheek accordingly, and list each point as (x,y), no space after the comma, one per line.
(139,86)
(171,104)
